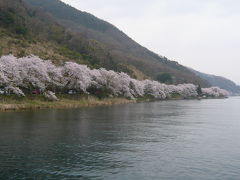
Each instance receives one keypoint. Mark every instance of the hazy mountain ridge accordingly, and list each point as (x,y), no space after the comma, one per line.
(219,81)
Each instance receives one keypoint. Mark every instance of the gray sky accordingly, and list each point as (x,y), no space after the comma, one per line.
(202,34)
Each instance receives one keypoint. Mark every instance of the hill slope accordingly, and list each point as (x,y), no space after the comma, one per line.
(219,81)
(121,49)
(25,30)
(40,28)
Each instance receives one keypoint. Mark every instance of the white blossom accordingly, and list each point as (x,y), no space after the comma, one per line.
(14,90)
(49,95)
(215,92)
(32,72)
(77,76)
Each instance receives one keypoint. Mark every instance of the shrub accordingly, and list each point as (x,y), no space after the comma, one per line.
(21,30)
(164,78)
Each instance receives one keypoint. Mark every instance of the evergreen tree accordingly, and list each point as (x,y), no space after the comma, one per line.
(199,90)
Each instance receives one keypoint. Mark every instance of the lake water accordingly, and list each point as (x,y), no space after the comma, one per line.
(157,140)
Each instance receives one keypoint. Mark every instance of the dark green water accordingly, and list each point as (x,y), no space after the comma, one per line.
(160,140)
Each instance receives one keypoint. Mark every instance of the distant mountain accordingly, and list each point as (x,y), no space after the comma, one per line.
(219,81)
(121,52)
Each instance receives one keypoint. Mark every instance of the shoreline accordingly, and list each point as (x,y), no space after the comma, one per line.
(10,104)
(33,102)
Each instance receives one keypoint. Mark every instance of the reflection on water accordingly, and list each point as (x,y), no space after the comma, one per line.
(158,140)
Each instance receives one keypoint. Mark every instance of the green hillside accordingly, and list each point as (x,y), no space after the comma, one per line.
(40,28)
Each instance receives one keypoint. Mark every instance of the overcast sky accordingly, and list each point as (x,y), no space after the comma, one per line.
(202,34)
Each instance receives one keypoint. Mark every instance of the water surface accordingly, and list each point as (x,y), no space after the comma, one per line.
(158,140)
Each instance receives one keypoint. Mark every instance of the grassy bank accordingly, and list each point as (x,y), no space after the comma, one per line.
(32,102)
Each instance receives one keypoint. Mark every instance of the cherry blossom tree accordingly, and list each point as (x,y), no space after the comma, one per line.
(76,76)
(215,92)
(10,71)
(32,72)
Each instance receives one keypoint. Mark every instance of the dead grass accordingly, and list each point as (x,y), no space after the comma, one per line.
(11,104)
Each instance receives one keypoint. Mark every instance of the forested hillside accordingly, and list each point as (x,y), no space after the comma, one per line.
(25,30)
(219,81)
(42,30)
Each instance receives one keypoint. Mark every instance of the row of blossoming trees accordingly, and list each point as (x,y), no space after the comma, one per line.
(22,75)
